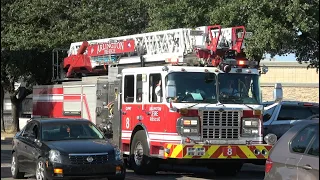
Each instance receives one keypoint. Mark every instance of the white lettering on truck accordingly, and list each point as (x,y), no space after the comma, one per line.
(155,113)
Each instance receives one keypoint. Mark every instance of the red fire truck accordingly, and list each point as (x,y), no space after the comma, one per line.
(176,96)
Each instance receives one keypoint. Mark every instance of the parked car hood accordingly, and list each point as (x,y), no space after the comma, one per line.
(81,146)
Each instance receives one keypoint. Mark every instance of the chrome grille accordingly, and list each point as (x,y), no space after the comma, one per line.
(221,124)
(101,158)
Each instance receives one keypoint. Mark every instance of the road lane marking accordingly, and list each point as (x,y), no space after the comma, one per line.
(5,165)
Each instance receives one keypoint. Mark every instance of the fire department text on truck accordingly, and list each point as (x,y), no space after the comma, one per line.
(154,113)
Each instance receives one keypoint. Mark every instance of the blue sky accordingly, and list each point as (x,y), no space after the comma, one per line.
(289,57)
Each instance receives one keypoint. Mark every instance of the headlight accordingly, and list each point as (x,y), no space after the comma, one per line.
(250,131)
(250,126)
(190,122)
(190,130)
(117,154)
(250,122)
(188,126)
(54,156)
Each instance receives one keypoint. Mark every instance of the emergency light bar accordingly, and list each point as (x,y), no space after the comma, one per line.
(234,62)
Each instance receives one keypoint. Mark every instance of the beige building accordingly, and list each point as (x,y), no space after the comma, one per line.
(299,83)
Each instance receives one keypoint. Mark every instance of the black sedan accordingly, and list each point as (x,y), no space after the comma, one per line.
(65,148)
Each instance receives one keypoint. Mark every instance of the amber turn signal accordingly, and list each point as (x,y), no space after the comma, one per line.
(57,170)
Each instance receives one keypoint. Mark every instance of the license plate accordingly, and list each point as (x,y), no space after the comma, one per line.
(229,151)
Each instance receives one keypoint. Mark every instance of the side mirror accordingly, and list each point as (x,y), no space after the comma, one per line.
(277,92)
(171,89)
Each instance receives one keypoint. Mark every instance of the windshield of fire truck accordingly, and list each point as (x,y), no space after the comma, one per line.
(239,88)
(199,87)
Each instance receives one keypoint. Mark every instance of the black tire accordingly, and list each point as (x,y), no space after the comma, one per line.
(16,174)
(147,165)
(41,162)
(228,169)
(127,163)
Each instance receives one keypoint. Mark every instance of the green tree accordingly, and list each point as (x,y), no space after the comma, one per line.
(30,67)
(31,29)
(173,14)
(279,27)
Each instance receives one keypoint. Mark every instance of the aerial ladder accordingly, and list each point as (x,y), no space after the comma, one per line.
(201,46)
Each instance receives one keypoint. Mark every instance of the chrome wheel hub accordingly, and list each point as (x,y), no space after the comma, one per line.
(138,154)
(13,165)
(40,171)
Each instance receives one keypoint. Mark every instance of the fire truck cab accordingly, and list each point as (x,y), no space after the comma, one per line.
(204,110)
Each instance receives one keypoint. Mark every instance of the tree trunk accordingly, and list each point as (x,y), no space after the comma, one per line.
(2,108)
(15,104)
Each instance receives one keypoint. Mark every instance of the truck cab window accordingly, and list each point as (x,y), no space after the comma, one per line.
(155,92)
(139,88)
(129,88)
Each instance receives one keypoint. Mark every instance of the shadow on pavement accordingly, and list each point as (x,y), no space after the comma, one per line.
(174,174)
(168,172)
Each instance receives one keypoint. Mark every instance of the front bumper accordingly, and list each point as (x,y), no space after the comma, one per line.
(86,170)
(197,151)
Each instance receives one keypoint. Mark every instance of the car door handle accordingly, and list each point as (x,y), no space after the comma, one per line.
(307,167)
(25,147)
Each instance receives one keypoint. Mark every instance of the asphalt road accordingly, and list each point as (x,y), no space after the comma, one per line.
(248,171)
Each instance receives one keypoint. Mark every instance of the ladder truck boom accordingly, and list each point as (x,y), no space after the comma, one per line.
(204,45)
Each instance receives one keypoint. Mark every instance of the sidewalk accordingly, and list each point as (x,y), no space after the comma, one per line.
(5,136)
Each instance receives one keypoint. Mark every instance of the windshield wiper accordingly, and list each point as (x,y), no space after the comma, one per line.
(205,100)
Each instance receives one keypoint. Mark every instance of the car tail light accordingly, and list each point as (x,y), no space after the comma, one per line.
(268,165)
(306,104)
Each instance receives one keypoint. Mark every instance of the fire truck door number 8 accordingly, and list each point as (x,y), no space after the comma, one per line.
(229,151)
(127,123)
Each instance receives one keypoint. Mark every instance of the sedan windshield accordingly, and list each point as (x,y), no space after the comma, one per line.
(194,86)
(69,130)
(239,88)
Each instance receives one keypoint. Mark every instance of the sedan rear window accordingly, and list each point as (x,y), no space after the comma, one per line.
(301,141)
(289,112)
(314,149)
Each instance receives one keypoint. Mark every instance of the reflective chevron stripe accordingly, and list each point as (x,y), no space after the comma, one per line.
(180,151)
